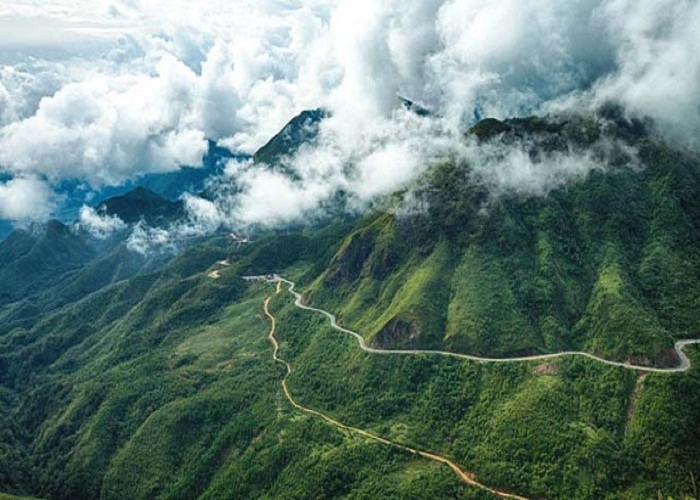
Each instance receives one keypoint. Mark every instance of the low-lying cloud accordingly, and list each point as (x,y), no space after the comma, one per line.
(100,226)
(203,217)
(145,239)
(524,168)
(358,164)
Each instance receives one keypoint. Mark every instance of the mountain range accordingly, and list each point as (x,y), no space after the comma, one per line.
(169,185)
(124,375)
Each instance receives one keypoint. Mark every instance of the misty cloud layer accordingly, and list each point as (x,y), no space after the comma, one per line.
(154,80)
(100,226)
(25,199)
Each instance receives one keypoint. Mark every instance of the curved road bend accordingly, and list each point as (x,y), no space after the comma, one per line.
(679,346)
(465,476)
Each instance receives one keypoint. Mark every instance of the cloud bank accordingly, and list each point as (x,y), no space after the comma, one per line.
(99,225)
(151,89)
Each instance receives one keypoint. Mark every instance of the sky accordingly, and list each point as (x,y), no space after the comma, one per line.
(101,92)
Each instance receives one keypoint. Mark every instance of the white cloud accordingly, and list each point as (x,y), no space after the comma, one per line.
(25,199)
(24,85)
(511,169)
(271,198)
(99,225)
(385,171)
(376,158)
(204,217)
(658,72)
(107,130)
(145,239)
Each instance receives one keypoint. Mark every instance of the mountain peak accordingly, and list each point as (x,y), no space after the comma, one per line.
(55,228)
(142,204)
(301,129)
(141,193)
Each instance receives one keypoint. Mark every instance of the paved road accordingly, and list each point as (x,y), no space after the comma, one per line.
(679,346)
(465,476)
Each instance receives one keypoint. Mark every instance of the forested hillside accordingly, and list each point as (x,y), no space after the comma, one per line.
(609,264)
(125,376)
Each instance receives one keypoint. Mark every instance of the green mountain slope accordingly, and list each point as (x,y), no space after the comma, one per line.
(173,378)
(31,259)
(609,265)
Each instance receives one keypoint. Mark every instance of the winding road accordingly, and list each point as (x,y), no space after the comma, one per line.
(465,476)
(679,346)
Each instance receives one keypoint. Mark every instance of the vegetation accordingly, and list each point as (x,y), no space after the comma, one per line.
(558,430)
(174,378)
(301,130)
(149,379)
(609,265)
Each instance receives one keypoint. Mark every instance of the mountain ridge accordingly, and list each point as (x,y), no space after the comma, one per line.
(169,390)
(377,253)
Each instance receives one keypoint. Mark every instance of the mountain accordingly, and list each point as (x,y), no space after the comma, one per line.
(29,259)
(609,265)
(5,229)
(156,379)
(48,265)
(413,106)
(169,185)
(143,204)
(302,129)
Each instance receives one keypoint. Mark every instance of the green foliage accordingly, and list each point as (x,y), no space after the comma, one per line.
(302,129)
(610,264)
(483,302)
(615,321)
(560,433)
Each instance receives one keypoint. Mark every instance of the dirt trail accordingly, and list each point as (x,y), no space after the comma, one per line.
(465,476)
